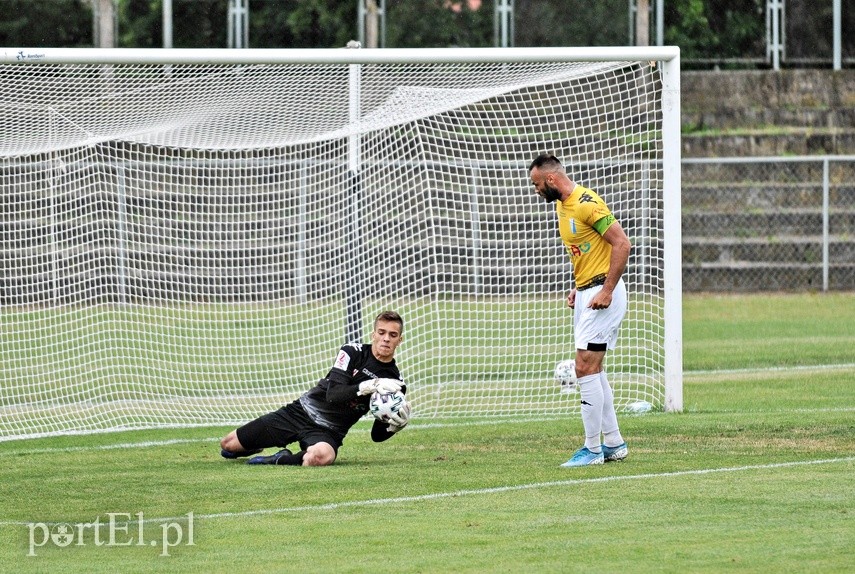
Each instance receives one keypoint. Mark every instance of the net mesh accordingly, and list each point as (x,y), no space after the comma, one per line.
(190,244)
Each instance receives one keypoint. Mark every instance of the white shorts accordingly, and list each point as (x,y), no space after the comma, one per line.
(598,326)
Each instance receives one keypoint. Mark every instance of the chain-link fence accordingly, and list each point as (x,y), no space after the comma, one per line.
(769,223)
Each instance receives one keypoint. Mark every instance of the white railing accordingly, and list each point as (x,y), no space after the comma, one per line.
(835,178)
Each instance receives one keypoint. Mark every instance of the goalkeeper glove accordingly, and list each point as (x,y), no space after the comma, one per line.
(382,386)
(399,420)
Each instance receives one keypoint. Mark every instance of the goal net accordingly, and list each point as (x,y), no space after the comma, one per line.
(189,241)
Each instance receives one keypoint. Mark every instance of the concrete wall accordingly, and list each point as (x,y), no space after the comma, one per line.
(790,112)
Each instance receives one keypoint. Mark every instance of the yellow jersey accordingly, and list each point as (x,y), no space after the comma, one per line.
(582,219)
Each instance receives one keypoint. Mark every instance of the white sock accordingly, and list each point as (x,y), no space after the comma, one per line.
(592,410)
(611,431)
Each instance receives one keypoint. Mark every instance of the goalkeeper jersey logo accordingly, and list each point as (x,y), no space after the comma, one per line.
(342,361)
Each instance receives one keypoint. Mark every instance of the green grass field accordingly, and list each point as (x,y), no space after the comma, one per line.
(754,476)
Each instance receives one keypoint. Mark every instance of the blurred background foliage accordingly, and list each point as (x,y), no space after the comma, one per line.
(704,29)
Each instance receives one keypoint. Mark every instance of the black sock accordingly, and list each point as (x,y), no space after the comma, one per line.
(295,459)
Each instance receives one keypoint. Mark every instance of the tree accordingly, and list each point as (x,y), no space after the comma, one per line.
(61,23)
(195,23)
(140,23)
(572,23)
(688,27)
(302,23)
(716,30)
(438,23)
(704,29)
(272,23)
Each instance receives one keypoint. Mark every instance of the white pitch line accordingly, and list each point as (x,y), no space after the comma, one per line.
(143,444)
(216,440)
(468,492)
(834,367)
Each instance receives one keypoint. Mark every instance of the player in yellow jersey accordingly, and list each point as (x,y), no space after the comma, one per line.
(599,250)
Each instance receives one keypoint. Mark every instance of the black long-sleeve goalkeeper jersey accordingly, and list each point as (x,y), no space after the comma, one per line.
(333,403)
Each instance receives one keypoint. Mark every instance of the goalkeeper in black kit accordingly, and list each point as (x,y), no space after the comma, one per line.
(321,417)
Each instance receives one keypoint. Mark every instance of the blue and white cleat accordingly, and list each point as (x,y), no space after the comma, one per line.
(232,455)
(584,457)
(612,453)
(272,459)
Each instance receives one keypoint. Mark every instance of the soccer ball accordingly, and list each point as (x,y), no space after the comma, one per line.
(565,375)
(382,406)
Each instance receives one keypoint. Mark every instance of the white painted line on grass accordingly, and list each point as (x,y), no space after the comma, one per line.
(754,370)
(216,440)
(502,489)
(94,448)
(470,492)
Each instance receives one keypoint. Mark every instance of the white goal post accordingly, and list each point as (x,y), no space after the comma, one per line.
(190,235)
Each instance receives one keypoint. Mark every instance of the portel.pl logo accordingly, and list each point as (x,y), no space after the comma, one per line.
(115,529)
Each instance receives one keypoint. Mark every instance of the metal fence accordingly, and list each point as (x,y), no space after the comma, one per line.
(768,223)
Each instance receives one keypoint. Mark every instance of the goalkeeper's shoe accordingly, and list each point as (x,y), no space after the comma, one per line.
(584,457)
(230,455)
(272,459)
(611,453)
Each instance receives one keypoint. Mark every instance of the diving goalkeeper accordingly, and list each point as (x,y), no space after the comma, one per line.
(321,417)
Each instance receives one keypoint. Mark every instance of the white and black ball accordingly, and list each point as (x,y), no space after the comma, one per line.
(382,406)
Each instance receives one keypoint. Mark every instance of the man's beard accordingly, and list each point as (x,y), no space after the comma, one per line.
(550,193)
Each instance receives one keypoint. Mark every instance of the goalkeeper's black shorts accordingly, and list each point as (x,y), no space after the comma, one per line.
(282,427)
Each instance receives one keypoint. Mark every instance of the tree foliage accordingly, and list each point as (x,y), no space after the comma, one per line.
(272,23)
(302,24)
(572,23)
(704,29)
(716,30)
(56,24)
(195,23)
(438,24)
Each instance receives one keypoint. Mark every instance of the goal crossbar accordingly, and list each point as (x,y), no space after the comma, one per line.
(337,55)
